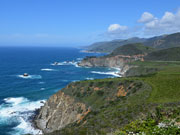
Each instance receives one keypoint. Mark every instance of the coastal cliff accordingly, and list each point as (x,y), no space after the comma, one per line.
(59,111)
(139,103)
(119,61)
(104,106)
(79,106)
(119,58)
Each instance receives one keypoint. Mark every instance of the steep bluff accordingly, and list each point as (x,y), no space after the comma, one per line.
(119,61)
(59,111)
(120,57)
(80,106)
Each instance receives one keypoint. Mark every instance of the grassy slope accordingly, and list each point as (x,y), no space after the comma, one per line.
(106,116)
(111,45)
(165,83)
(159,42)
(132,49)
(162,42)
(166,86)
(165,93)
(171,54)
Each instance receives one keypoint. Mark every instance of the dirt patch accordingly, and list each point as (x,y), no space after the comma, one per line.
(121,91)
(97,88)
(83,115)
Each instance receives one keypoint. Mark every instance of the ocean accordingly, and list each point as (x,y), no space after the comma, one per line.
(20,96)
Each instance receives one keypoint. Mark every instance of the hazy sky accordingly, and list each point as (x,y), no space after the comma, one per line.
(80,22)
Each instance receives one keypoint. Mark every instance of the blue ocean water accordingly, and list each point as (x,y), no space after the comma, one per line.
(20,96)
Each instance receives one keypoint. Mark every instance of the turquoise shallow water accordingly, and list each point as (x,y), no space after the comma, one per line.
(20,96)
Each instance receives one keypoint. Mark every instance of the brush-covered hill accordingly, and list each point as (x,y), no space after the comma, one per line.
(159,42)
(109,46)
(119,57)
(117,106)
(132,49)
(170,54)
(164,41)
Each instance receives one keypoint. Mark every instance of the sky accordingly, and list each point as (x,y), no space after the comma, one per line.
(82,22)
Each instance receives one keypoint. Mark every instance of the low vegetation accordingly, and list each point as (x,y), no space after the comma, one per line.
(170,54)
(122,106)
(132,49)
(109,46)
(164,121)
(158,42)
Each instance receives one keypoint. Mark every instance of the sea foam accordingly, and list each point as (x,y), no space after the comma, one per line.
(65,63)
(47,69)
(116,74)
(30,76)
(89,78)
(19,110)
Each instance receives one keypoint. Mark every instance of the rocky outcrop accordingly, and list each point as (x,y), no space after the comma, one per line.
(59,111)
(69,106)
(119,61)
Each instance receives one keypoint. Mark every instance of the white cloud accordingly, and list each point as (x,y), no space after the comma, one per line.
(150,26)
(116,27)
(146,17)
(168,23)
(116,31)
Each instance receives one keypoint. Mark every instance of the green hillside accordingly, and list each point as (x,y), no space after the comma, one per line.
(159,42)
(171,54)
(163,42)
(119,103)
(111,45)
(132,49)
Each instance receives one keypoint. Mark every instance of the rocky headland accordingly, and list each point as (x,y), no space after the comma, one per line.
(120,62)
(119,58)
(64,108)
(75,106)
(114,106)
(59,111)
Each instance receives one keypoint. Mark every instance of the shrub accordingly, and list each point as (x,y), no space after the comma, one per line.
(100,92)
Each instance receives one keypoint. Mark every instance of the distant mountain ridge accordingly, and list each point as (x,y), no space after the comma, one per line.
(164,41)
(109,46)
(159,42)
(132,49)
(170,54)
(119,57)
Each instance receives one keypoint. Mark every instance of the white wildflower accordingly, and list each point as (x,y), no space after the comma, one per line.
(161,125)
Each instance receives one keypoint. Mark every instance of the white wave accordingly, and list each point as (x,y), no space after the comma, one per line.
(79,59)
(42,89)
(76,65)
(116,68)
(14,101)
(19,110)
(30,76)
(66,63)
(57,64)
(47,69)
(116,74)
(26,127)
(89,78)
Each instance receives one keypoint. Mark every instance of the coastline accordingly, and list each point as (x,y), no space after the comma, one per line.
(86,51)
(44,80)
(120,72)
